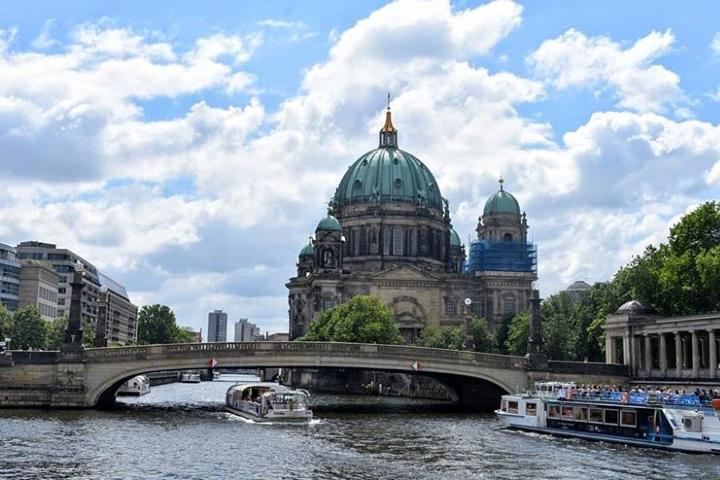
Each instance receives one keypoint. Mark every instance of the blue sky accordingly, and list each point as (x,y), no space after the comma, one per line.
(188,149)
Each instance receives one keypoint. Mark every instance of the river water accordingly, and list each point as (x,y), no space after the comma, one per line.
(179,431)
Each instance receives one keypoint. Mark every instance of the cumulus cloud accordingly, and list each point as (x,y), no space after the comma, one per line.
(575,60)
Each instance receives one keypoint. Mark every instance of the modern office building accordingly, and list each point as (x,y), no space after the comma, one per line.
(9,277)
(39,288)
(246,331)
(63,261)
(122,314)
(217,326)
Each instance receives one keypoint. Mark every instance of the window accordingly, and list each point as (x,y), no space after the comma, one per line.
(386,238)
(596,415)
(507,237)
(450,306)
(628,418)
(512,407)
(581,414)
(503,406)
(509,306)
(531,409)
(554,411)
(567,413)
(398,240)
(327,303)
(611,417)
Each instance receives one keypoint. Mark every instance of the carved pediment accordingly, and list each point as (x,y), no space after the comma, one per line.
(405,273)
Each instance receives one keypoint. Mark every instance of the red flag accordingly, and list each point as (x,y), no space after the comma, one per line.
(212,363)
(416,366)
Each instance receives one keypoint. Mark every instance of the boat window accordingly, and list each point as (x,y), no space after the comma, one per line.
(611,417)
(503,406)
(580,414)
(628,418)
(567,413)
(512,407)
(531,409)
(596,415)
(554,411)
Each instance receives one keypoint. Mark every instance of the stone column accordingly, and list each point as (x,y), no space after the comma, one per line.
(648,354)
(608,349)
(712,343)
(626,350)
(695,355)
(663,355)
(678,354)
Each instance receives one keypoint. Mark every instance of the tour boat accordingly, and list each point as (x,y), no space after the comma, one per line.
(189,377)
(139,386)
(268,402)
(672,422)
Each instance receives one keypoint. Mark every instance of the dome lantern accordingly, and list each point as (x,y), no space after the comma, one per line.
(388,133)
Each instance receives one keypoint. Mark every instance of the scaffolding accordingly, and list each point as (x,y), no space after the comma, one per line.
(501,255)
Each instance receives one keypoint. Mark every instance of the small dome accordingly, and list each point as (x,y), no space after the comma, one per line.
(454,238)
(307,251)
(502,202)
(329,223)
(635,307)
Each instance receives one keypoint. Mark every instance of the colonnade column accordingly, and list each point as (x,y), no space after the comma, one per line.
(695,355)
(663,355)
(648,353)
(713,352)
(678,354)
(626,350)
(609,349)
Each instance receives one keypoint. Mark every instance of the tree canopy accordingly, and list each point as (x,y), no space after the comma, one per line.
(157,324)
(28,329)
(363,319)
(452,338)
(5,322)
(483,339)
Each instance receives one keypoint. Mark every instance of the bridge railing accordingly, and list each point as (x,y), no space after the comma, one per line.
(253,348)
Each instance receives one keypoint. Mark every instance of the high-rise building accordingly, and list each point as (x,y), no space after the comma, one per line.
(217,326)
(39,288)
(122,315)
(246,331)
(9,277)
(63,261)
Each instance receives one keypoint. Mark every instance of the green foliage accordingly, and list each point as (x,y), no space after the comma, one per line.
(185,335)
(28,329)
(452,338)
(501,335)
(518,335)
(55,331)
(156,324)
(5,322)
(561,325)
(363,320)
(483,339)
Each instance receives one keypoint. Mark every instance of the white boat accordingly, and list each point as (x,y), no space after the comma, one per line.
(268,402)
(189,377)
(671,422)
(139,386)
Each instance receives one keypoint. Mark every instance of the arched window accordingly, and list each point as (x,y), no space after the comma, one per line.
(508,237)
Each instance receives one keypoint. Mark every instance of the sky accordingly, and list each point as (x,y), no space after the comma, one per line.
(188,149)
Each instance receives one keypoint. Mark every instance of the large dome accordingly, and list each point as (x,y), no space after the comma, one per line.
(388,175)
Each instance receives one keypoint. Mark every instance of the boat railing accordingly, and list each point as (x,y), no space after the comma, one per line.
(635,398)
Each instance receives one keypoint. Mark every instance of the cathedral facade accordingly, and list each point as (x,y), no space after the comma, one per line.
(388,233)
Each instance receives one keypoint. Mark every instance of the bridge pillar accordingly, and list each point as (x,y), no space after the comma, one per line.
(71,348)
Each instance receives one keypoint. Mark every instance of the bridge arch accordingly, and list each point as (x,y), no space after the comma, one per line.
(108,368)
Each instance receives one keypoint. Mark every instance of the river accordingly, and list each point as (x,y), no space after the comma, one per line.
(179,431)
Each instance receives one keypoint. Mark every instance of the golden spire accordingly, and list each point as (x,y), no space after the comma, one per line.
(501,180)
(388,127)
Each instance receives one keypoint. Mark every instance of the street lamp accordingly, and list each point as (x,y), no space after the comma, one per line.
(72,341)
(102,318)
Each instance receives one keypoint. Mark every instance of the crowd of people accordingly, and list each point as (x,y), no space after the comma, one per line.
(639,394)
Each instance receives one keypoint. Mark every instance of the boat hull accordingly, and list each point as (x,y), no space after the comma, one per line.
(255,418)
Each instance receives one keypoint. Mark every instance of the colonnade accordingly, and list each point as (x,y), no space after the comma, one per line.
(689,353)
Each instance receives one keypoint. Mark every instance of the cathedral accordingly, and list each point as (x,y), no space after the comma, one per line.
(388,233)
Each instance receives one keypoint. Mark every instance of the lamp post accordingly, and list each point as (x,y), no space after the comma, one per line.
(102,320)
(72,341)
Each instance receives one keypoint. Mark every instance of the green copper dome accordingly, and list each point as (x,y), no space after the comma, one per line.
(388,175)
(501,202)
(454,238)
(329,223)
(307,250)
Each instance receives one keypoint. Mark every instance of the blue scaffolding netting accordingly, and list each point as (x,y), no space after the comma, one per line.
(501,255)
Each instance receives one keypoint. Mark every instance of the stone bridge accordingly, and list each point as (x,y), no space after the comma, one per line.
(89,379)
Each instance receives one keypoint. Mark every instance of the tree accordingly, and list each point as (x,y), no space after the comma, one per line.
(5,322)
(519,333)
(501,335)
(363,320)
(55,332)
(483,339)
(451,338)
(28,329)
(560,327)
(156,324)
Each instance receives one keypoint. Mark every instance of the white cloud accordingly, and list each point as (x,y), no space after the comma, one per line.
(275,23)
(575,60)
(44,39)
(715,44)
